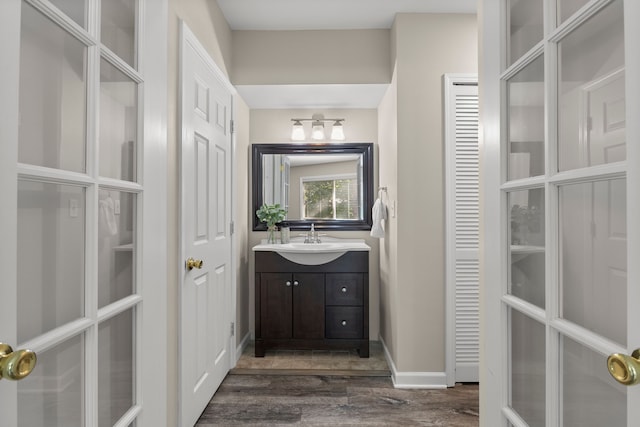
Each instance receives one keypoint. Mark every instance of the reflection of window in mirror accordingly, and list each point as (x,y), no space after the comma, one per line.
(330,197)
(317,190)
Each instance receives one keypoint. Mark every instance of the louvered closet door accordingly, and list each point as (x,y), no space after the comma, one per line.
(463,233)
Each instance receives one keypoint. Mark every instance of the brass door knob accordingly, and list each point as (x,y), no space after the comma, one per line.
(15,365)
(194,263)
(624,368)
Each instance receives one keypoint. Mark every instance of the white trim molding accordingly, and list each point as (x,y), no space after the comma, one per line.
(240,348)
(414,380)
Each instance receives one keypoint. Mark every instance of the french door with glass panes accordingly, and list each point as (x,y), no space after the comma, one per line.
(561,199)
(71,187)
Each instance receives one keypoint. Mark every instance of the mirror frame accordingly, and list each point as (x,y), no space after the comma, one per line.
(363,148)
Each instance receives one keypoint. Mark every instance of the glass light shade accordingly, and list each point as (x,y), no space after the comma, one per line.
(337,132)
(297,132)
(317,131)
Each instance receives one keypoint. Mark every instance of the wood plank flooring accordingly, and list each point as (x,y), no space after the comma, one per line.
(333,400)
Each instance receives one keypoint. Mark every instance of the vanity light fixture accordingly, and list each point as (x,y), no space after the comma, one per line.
(337,131)
(297,131)
(317,129)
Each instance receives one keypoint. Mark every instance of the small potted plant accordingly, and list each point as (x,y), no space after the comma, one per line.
(271,214)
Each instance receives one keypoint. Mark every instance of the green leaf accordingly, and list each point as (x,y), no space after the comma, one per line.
(271,214)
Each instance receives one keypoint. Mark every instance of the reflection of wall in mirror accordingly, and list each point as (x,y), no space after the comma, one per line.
(275,179)
(325,169)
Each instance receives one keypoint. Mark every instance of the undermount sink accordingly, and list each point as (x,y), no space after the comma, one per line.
(314,253)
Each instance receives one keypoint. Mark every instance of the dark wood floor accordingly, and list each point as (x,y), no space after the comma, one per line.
(320,400)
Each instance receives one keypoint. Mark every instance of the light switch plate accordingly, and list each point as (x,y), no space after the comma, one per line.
(73,208)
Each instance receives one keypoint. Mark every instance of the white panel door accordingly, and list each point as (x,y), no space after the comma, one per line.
(463,228)
(72,150)
(560,202)
(205,331)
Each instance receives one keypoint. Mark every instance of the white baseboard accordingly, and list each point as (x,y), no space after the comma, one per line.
(243,344)
(414,380)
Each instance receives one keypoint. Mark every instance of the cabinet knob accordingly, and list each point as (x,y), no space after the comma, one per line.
(296,283)
(288,283)
(344,289)
(343,323)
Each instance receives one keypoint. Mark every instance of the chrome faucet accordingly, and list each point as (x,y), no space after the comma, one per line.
(312,235)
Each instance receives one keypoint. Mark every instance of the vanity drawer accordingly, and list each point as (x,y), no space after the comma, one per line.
(344,322)
(344,289)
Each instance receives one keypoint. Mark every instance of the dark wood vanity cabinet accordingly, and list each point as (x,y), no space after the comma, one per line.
(312,306)
(291,305)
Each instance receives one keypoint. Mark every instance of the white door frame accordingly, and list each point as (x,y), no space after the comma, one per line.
(188,38)
(154,215)
(491,42)
(449,80)
(494,379)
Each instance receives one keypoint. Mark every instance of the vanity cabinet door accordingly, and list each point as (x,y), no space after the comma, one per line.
(276,299)
(308,306)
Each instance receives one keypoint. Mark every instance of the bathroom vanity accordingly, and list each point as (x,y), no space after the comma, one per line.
(312,296)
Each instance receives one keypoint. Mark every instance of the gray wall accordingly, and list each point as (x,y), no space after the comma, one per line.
(426,46)
(310,57)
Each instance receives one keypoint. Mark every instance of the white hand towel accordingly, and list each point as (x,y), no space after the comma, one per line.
(379,214)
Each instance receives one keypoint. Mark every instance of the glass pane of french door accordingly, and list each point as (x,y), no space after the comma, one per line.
(118,28)
(51,256)
(526,121)
(116,246)
(53,94)
(566,8)
(118,118)
(525,26)
(591,111)
(593,251)
(590,396)
(74,9)
(116,388)
(54,394)
(528,351)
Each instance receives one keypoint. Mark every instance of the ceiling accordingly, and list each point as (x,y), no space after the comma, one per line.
(330,14)
(324,15)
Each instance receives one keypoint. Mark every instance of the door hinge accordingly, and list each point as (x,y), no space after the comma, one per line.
(232,227)
(233,329)
(232,125)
